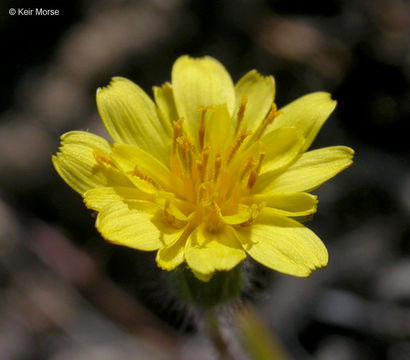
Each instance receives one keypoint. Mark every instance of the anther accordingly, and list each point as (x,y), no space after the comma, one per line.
(102,159)
(215,208)
(262,152)
(186,148)
(218,164)
(241,112)
(254,174)
(177,132)
(168,216)
(273,114)
(248,167)
(138,173)
(202,193)
(254,213)
(201,130)
(214,217)
(252,179)
(202,164)
(237,144)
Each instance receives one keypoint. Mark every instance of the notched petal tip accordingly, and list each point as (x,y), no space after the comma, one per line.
(187,57)
(314,268)
(166,85)
(349,155)
(308,113)
(349,150)
(260,92)
(131,117)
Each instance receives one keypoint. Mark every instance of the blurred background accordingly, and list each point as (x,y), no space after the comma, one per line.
(67,294)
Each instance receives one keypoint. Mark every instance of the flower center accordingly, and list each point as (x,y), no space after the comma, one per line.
(215,177)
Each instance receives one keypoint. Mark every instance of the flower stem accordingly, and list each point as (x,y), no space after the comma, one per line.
(213,330)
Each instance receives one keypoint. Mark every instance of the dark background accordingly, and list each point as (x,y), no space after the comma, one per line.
(67,294)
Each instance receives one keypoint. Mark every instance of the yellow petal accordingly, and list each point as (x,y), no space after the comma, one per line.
(129,159)
(282,147)
(288,204)
(243,215)
(310,171)
(308,114)
(137,224)
(76,164)
(130,117)
(207,252)
(96,199)
(260,93)
(218,129)
(164,98)
(200,82)
(283,244)
(202,277)
(172,255)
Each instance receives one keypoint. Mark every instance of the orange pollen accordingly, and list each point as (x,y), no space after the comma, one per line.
(186,148)
(177,132)
(215,208)
(218,164)
(212,180)
(202,163)
(214,221)
(138,173)
(262,152)
(249,165)
(261,157)
(254,174)
(201,130)
(273,114)
(168,216)
(252,179)
(237,144)
(202,193)
(241,112)
(103,159)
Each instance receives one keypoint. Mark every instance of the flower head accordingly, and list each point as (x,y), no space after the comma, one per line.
(208,173)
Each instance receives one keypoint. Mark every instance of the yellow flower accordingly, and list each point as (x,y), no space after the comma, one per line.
(209,172)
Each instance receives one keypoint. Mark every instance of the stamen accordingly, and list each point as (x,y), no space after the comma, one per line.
(186,148)
(249,165)
(214,217)
(203,194)
(252,179)
(218,163)
(237,144)
(138,173)
(254,213)
(175,165)
(241,112)
(103,159)
(202,164)
(273,114)
(254,174)
(173,216)
(168,216)
(215,208)
(262,153)
(201,130)
(177,132)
